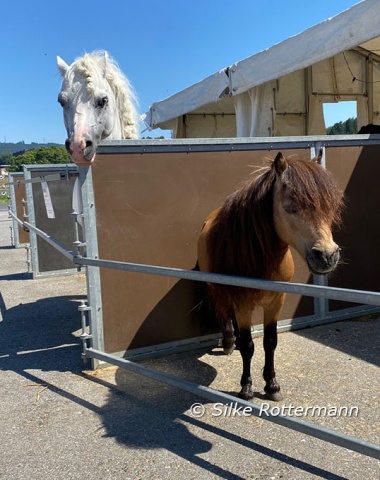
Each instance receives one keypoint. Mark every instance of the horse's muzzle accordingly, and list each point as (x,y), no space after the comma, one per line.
(83,154)
(321,262)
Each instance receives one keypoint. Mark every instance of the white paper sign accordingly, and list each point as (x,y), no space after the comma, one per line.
(48,203)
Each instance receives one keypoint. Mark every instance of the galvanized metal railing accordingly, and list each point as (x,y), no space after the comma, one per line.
(320,291)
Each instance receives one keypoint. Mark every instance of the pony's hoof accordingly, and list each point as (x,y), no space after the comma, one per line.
(246,393)
(229,350)
(274,396)
(228,344)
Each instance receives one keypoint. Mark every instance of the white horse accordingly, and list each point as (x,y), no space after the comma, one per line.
(98,102)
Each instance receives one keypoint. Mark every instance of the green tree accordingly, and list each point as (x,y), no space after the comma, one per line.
(349,127)
(43,155)
(5,158)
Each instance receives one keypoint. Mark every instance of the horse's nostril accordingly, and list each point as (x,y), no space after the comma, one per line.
(68,146)
(88,143)
(318,255)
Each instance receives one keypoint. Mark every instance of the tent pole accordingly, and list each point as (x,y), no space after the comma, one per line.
(369,85)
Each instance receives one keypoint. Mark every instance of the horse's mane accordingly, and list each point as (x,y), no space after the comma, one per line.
(101,63)
(243,240)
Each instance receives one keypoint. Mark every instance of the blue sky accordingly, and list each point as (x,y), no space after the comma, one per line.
(160,47)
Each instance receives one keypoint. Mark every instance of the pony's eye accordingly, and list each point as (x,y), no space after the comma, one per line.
(289,208)
(101,102)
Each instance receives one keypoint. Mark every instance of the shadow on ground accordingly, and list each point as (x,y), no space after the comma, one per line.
(38,335)
(138,413)
(145,414)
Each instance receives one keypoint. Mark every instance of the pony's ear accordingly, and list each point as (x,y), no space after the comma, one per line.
(62,66)
(318,158)
(280,163)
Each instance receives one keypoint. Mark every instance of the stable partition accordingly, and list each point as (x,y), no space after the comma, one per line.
(17,194)
(49,191)
(357,169)
(149,201)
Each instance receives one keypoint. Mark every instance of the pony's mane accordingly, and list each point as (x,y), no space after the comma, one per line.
(101,63)
(243,237)
(243,240)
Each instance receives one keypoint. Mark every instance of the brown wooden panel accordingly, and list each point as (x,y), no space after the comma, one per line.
(60,228)
(358,171)
(150,209)
(20,195)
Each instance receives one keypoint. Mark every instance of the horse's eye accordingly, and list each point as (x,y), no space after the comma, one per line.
(101,102)
(61,100)
(291,209)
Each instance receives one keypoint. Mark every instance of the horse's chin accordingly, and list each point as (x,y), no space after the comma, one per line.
(82,161)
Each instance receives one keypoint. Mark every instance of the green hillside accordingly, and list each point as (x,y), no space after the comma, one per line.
(7,147)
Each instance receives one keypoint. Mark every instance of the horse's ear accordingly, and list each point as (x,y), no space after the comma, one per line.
(105,61)
(62,66)
(280,163)
(318,158)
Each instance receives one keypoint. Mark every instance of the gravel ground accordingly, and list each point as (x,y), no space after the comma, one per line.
(59,420)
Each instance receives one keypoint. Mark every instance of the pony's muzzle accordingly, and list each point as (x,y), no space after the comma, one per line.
(323,261)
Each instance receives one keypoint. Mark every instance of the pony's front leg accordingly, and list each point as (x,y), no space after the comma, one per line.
(247,348)
(271,316)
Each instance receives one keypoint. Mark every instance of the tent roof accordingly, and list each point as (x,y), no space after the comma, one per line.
(359,26)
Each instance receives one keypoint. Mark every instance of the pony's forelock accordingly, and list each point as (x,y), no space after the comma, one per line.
(312,188)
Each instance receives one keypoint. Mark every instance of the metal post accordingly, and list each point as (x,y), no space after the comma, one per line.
(31,218)
(93,275)
(27,249)
(321,305)
(85,335)
(78,244)
(12,236)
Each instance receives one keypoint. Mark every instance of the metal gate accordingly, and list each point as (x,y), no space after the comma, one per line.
(92,336)
(151,199)
(49,191)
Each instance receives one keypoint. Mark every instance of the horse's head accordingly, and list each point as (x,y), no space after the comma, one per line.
(94,97)
(307,202)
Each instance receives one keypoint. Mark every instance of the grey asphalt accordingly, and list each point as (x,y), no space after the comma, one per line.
(60,420)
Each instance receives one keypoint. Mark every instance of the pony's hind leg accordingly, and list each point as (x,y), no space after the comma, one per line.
(271,315)
(230,333)
(247,349)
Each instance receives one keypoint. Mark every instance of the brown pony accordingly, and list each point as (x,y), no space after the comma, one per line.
(291,203)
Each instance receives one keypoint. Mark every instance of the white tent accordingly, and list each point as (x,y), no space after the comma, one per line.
(281,91)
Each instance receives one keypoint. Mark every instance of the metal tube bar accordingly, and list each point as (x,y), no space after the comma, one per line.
(54,243)
(356,296)
(294,423)
(232,144)
(47,178)
(51,177)
(20,222)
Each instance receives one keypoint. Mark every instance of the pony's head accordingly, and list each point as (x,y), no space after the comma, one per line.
(98,102)
(307,202)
